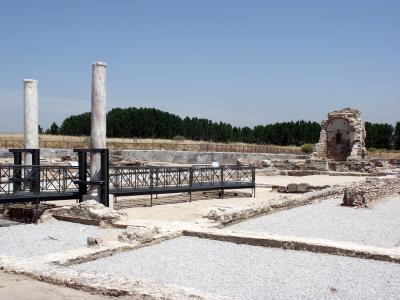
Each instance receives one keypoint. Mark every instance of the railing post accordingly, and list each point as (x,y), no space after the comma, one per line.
(253,179)
(35,184)
(104,188)
(82,160)
(17,172)
(190,183)
(151,186)
(222,182)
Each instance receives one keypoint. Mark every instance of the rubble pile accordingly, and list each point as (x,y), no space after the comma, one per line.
(88,212)
(138,234)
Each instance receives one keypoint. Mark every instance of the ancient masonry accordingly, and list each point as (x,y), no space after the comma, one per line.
(342,136)
(359,195)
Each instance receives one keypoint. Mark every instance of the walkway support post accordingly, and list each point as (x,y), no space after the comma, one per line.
(98,124)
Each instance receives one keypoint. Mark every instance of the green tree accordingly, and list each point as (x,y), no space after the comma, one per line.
(396,137)
(153,123)
(54,129)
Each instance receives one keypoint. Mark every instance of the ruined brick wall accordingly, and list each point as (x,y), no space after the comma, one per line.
(342,136)
(361,194)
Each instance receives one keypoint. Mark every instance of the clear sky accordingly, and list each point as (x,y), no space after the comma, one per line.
(244,62)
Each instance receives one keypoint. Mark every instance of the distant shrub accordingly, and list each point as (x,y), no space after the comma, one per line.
(372,149)
(307,148)
(178,138)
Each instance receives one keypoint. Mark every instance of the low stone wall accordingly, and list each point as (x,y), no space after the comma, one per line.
(299,243)
(361,194)
(226,215)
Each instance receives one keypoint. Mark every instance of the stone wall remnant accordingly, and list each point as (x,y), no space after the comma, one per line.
(360,194)
(88,212)
(293,188)
(342,136)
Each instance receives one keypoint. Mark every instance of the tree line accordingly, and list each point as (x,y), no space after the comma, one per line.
(135,122)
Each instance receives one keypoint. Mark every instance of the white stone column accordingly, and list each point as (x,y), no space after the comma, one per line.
(98,122)
(31,129)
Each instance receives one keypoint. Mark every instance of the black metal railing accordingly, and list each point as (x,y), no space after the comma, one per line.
(131,180)
(22,183)
(27,183)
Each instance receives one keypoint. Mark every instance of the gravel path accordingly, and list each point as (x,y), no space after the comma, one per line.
(378,225)
(252,272)
(26,240)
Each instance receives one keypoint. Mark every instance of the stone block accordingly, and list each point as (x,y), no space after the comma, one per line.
(318,164)
(303,188)
(282,189)
(292,187)
(94,241)
(266,163)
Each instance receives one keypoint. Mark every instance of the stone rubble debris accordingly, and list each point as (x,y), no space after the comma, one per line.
(88,212)
(138,234)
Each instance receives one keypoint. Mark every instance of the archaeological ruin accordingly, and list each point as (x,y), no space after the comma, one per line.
(342,136)
(130,223)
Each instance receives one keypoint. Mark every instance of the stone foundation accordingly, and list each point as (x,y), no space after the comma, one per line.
(359,195)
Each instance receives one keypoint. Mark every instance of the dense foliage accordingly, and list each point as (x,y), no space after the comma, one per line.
(379,136)
(396,137)
(153,123)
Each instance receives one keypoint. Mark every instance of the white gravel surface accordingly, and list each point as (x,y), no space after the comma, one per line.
(252,272)
(6,222)
(26,240)
(378,225)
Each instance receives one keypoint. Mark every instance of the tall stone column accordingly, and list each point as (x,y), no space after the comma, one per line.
(31,125)
(98,122)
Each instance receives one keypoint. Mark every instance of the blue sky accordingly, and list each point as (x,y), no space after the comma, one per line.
(243,62)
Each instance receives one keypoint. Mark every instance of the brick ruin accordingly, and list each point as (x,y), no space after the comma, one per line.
(342,137)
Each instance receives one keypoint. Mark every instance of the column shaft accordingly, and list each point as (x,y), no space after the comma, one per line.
(31,125)
(98,121)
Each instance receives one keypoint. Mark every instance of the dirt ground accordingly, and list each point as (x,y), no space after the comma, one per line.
(19,287)
(194,211)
